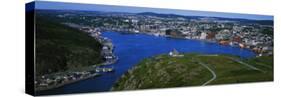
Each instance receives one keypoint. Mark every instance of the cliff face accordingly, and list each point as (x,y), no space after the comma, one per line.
(60,48)
(195,70)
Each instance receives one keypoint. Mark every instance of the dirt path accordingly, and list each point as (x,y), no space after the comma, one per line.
(212,71)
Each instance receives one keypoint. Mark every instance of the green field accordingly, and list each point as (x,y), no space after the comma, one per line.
(195,70)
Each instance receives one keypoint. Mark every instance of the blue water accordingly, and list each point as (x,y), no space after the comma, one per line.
(132,48)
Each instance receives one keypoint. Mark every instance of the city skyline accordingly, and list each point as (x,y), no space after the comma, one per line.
(128,9)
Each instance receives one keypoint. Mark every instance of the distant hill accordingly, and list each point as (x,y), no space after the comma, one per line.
(168,15)
(262,22)
(165,71)
(61,48)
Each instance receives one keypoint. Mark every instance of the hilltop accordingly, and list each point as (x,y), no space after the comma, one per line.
(164,71)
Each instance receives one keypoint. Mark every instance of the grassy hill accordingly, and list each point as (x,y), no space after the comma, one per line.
(60,48)
(192,70)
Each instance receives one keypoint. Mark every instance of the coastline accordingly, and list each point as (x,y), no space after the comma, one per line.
(66,83)
(107,42)
(95,68)
(106,35)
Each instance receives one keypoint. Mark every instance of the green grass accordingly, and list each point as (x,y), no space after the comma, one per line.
(229,71)
(164,71)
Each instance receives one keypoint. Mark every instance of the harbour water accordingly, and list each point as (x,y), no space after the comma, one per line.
(133,48)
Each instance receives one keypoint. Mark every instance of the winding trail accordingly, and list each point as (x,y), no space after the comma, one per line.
(212,71)
(207,67)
